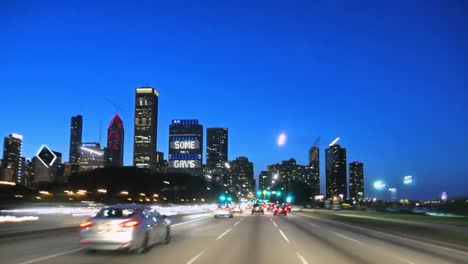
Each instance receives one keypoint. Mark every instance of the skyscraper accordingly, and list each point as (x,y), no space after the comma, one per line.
(185,147)
(264,180)
(356,180)
(146,124)
(47,166)
(92,156)
(11,163)
(216,151)
(314,165)
(76,132)
(335,184)
(242,173)
(115,142)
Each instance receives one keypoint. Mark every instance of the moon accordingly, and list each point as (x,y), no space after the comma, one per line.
(281,139)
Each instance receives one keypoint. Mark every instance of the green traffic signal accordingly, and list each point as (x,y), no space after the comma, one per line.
(222,198)
(229,199)
(278,194)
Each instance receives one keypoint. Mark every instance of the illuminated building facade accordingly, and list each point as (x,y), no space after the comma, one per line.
(185,147)
(356,180)
(146,124)
(92,156)
(115,142)
(335,183)
(11,163)
(76,132)
(216,152)
(314,166)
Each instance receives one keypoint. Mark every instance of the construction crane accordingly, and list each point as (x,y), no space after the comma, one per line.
(316,143)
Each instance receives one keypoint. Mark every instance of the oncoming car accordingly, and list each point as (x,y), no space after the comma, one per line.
(125,227)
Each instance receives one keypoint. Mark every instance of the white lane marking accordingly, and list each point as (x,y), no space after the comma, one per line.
(343,236)
(284,236)
(223,234)
(273,222)
(390,235)
(237,223)
(183,223)
(51,256)
(406,261)
(314,225)
(196,257)
(301,258)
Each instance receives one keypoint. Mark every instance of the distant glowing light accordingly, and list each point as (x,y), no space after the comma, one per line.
(7,183)
(379,185)
(407,180)
(99,153)
(444,197)
(282,139)
(334,141)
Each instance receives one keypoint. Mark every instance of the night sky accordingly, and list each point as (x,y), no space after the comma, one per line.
(389,79)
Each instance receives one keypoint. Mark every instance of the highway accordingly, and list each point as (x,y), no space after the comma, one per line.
(296,238)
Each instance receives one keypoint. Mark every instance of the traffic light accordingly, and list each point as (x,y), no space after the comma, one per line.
(259,193)
(222,198)
(268,193)
(289,199)
(229,199)
(278,193)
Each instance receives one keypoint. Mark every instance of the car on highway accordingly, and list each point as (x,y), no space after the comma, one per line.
(280,210)
(257,209)
(237,209)
(223,210)
(125,227)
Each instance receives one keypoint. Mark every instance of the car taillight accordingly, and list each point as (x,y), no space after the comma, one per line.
(86,224)
(130,223)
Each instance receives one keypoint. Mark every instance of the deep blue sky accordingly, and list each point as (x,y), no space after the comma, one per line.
(389,78)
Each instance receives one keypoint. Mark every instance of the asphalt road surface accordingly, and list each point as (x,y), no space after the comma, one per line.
(296,238)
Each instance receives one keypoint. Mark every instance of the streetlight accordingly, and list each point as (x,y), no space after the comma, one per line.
(166,182)
(227,165)
(102,191)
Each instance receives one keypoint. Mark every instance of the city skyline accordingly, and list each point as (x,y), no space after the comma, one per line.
(389,82)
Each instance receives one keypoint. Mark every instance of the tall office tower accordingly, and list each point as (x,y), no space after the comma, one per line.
(11,163)
(92,156)
(115,142)
(76,133)
(216,148)
(336,172)
(241,170)
(264,180)
(186,147)
(146,125)
(47,166)
(314,165)
(356,180)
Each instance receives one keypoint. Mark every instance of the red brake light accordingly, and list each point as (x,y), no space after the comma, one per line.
(130,223)
(86,224)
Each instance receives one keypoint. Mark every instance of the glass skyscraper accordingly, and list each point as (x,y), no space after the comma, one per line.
(76,132)
(335,183)
(115,142)
(356,180)
(146,124)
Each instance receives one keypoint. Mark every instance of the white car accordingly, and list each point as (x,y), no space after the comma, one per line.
(237,209)
(223,210)
(125,227)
